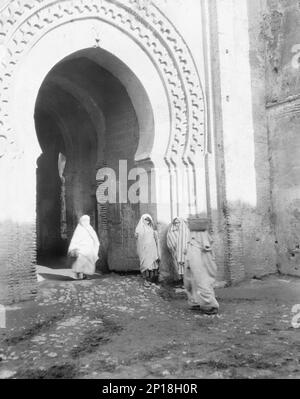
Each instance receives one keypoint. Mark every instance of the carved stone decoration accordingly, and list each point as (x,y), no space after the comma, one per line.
(3,145)
(23,23)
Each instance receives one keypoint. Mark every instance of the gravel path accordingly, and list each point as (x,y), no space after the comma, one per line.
(113,327)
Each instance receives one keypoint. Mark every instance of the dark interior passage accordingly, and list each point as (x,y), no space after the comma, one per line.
(84,116)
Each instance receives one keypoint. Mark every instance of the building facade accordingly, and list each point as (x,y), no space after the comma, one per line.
(175,99)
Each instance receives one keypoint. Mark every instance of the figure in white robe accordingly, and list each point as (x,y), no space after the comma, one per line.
(84,248)
(148,249)
(177,240)
(200,273)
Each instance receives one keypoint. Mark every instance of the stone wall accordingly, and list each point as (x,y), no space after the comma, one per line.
(122,136)
(262,243)
(241,139)
(281,34)
(17,273)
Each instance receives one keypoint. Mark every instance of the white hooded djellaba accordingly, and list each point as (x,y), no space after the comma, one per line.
(147,245)
(177,239)
(84,247)
(200,273)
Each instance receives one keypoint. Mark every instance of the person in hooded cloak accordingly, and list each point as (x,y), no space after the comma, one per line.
(177,240)
(148,249)
(200,273)
(84,248)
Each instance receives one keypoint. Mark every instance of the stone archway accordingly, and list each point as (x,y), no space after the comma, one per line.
(84,113)
(165,69)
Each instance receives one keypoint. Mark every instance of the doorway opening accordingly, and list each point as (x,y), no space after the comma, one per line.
(85,120)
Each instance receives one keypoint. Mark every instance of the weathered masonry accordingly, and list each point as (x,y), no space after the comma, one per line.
(167,85)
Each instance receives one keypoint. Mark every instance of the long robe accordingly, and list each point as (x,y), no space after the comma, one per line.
(85,244)
(200,272)
(177,239)
(147,245)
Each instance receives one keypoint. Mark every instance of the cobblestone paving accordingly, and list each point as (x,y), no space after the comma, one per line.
(113,327)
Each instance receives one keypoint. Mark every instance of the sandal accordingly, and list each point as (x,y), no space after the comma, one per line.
(210,312)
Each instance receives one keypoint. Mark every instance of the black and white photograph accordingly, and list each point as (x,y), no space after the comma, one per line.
(150,192)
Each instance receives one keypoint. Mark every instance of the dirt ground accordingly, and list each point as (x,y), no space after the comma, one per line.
(113,327)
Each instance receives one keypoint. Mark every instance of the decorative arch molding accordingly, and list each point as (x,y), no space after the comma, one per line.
(24,23)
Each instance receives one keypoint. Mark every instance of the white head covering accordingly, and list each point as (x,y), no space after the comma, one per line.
(143,224)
